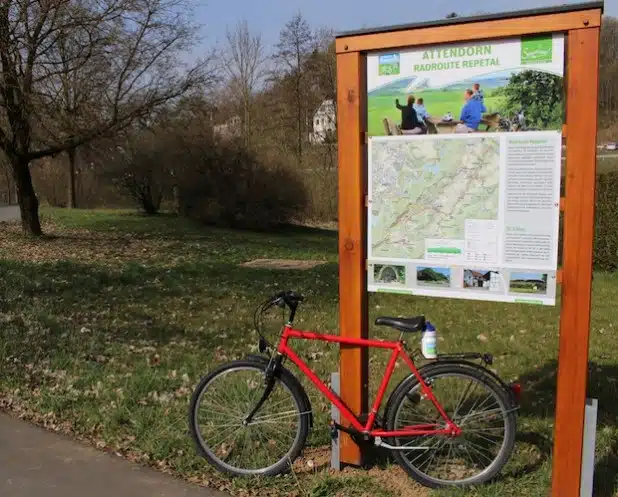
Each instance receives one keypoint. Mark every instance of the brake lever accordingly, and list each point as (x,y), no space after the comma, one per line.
(278,300)
(262,345)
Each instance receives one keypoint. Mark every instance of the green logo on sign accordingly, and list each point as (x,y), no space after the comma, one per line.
(536,50)
(389,65)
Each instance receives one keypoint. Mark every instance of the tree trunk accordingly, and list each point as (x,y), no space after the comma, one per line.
(28,201)
(299,101)
(178,203)
(246,123)
(72,195)
(299,122)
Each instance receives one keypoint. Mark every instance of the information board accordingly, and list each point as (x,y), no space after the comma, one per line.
(472,216)
(457,213)
(365,106)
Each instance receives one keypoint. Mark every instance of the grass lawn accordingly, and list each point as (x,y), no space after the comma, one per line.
(608,164)
(108,324)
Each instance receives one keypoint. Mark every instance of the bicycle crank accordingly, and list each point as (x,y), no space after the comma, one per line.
(378,442)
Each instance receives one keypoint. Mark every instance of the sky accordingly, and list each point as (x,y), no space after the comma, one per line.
(526,276)
(267,17)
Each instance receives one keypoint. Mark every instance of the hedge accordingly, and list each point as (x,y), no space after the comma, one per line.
(606,226)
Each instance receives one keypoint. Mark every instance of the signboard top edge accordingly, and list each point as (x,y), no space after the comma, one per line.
(468,136)
(471,19)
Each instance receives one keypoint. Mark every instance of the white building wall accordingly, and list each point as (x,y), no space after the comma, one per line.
(324,122)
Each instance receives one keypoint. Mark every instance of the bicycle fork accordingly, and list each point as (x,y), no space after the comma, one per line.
(269,385)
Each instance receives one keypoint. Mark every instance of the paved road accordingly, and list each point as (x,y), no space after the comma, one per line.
(34,462)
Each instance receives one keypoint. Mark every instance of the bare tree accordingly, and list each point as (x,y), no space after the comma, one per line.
(608,87)
(83,71)
(6,191)
(321,76)
(127,50)
(321,69)
(245,65)
(295,44)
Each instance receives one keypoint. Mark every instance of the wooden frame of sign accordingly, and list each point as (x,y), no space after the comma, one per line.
(581,26)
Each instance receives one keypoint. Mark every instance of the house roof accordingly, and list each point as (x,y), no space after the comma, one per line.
(486,17)
(477,274)
(326,106)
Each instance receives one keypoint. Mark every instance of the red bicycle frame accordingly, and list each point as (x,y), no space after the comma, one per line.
(398,352)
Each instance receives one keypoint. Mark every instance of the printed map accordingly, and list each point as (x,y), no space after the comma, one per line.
(426,188)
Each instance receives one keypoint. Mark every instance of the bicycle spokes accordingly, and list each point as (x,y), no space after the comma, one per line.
(475,408)
(233,440)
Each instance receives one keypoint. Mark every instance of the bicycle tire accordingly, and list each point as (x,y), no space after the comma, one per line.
(490,375)
(430,373)
(284,378)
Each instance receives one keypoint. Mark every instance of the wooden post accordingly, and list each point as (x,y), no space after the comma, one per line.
(351,124)
(583,60)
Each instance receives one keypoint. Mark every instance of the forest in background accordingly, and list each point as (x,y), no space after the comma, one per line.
(226,141)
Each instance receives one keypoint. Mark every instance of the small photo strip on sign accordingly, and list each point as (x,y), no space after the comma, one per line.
(433,277)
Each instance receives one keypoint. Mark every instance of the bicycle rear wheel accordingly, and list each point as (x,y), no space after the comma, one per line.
(270,441)
(476,403)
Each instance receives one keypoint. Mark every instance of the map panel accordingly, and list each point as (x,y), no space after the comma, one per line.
(472,216)
(424,190)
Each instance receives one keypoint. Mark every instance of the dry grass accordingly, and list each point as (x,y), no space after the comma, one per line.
(109,322)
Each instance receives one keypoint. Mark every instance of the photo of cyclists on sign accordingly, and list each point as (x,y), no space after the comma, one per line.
(490,86)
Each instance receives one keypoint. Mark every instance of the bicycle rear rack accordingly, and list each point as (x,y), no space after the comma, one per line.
(487,359)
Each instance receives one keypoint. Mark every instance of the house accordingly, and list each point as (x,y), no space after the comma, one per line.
(324,122)
(479,279)
(229,129)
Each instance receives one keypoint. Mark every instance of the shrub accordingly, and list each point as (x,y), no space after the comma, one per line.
(606,227)
(140,169)
(320,177)
(229,186)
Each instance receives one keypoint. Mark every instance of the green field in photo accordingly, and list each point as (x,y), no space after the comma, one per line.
(437,102)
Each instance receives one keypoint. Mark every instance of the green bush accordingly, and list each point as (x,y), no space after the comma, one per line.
(539,94)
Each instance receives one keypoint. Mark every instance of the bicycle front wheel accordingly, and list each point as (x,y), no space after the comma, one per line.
(270,441)
(476,403)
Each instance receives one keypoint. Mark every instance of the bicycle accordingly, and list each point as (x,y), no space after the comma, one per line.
(259,416)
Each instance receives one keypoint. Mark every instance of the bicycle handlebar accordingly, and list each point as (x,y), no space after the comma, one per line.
(289,298)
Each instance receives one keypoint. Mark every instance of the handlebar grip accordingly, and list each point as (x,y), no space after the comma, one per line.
(289,297)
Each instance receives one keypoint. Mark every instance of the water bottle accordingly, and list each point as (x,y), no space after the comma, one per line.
(429,342)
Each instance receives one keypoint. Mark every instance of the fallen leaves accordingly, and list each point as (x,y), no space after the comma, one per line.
(154,360)
(111,328)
